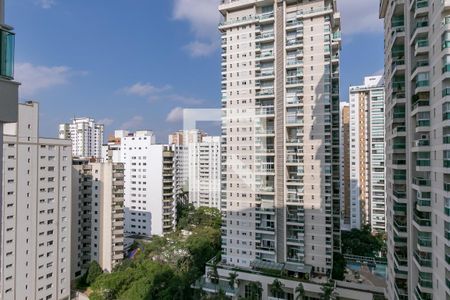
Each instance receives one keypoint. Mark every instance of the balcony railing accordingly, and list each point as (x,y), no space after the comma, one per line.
(7,42)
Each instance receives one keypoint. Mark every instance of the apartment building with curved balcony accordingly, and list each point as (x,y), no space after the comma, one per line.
(417,43)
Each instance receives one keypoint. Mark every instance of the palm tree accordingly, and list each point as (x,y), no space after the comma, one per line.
(232,279)
(277,288)
(300,290)
(328,292)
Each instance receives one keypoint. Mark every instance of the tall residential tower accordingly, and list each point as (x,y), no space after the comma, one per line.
(8,88)
(204,172)
(36,212)
(366,163)
(417,110)
(86,136)
(280,98)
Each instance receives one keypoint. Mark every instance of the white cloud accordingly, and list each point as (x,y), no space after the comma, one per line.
(134,123)
(155,93)
(46,3)
(175,115)
(203,17)
(37,78)
(360,16)
(198,49)
(106,121)
(144,89)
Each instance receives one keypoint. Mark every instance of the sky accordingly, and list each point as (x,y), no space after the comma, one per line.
(135,64)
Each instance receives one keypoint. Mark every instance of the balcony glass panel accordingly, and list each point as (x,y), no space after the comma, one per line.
(446,111)
(7,41)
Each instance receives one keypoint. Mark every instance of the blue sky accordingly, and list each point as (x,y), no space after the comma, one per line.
(134,64)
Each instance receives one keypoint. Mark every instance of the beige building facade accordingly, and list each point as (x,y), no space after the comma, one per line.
(280,140)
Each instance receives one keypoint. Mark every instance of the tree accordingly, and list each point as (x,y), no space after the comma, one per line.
(328,292)
(277,289)
(339,264)
(362,242)
(232,279)
(94,272)
(255,290)
(300,290)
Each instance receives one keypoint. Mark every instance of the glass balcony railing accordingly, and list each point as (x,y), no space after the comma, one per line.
(446,115)
(7,42)
(423,162)
(446,68)
(422,83)
(445,44)
(424,241)
(446,139)
(424,259)
(446,187)
(421,181)
(421,3)
(426,222)
(423,123)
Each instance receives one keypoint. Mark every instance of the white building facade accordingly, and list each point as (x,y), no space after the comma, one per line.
(205,172)
(367,159)
(8,87)
(149,185)
(86,136)
(36,212)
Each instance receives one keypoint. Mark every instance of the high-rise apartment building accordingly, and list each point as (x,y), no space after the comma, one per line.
(417,110)
(36,211)
(149,185)
(280,98)
(97,215)
(345,165)
(8,87)
(86,136)
(366,142)
(185,137)
(111,151)
(205,172)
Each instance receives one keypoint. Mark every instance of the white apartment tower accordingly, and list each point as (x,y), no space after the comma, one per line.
(280,99)
(36,212)
(86,136)
(366,163)
(149,185)
(97,214)
(417,110)
(204,172)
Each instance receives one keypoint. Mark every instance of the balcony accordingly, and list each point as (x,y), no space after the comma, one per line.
(421,295)
(425,280)
(400,226)
(399,194)
(420,105)
(268,92)
(265,111)
(423,259)
(424,199)
(425,241)
(422,220)
(446,187)
(421,181)
(7,42)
